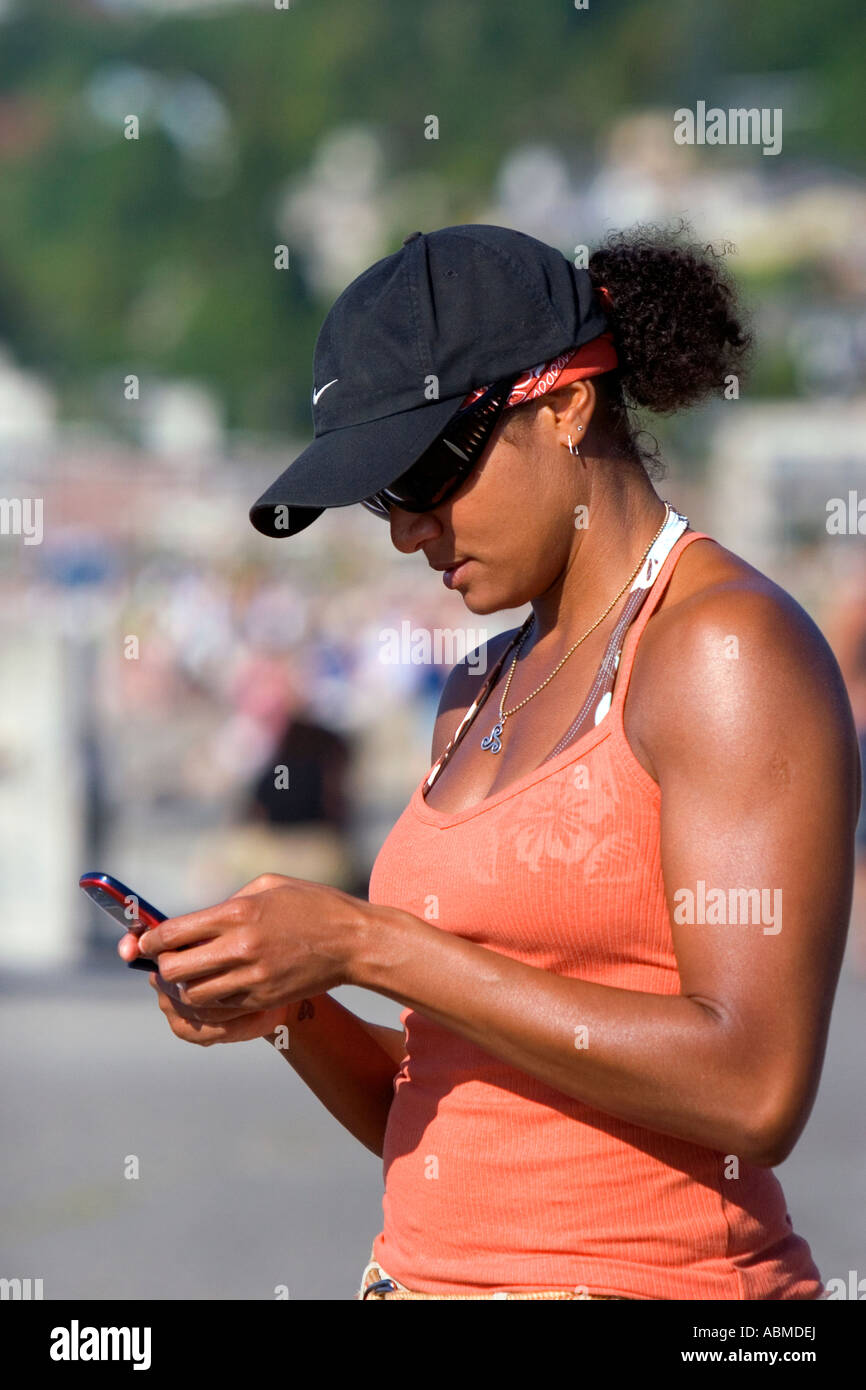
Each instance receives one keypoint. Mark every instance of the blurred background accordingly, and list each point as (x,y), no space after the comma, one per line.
(161,287)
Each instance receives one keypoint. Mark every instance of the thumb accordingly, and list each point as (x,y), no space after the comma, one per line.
(127,946)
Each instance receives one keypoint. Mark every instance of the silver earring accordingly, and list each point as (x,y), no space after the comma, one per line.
(572,447)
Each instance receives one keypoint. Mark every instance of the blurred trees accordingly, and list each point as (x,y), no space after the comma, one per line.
(156,254)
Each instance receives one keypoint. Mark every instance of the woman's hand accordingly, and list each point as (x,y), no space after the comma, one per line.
(278,939)
(217,1024)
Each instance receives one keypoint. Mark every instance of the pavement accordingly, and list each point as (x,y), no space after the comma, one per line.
(245,1182)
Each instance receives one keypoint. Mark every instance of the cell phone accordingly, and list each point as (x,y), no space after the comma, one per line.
(128,909)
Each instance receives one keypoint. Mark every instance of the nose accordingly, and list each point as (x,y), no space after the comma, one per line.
(409,530)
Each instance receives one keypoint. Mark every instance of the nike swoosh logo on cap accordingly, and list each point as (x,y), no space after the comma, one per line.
(317,394)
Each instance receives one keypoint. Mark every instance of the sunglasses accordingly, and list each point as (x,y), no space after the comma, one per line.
(446,464)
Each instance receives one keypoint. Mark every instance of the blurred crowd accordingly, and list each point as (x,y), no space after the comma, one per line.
(231,705)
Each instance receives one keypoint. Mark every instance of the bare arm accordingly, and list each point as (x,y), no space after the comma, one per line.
(755,754)
(348,1063)
(758,773)
(391,1040)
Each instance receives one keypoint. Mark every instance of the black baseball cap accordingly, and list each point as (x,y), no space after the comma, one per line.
(406,342)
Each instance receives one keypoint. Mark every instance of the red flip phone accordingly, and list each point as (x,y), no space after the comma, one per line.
(130,911)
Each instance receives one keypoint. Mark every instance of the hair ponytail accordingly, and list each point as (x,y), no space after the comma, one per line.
(677,326)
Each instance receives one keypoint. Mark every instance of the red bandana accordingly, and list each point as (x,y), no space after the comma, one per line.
(592,359)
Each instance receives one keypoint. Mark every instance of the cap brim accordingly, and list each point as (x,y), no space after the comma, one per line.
(344,466)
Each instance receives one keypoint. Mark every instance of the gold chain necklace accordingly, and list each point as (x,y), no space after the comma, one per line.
(493,741)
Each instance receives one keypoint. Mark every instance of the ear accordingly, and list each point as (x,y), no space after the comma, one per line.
(571,410)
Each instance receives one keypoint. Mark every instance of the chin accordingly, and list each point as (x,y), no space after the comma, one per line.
(481,603)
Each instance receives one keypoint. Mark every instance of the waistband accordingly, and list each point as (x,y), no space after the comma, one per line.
(376,1283)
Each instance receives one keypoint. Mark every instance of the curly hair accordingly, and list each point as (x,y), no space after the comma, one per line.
(677,326)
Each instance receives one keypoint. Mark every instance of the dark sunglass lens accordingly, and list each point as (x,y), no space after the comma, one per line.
(423,484)
(377,506)
(447,462)
(441,468)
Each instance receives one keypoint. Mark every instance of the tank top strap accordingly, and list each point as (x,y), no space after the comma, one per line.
(600,694)
(654,598)
(611,681)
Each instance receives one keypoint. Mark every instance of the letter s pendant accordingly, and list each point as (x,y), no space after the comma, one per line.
(493,741)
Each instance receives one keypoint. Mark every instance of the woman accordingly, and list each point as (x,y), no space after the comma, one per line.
(615,908)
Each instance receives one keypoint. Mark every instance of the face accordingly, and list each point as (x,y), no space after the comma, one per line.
(508,533)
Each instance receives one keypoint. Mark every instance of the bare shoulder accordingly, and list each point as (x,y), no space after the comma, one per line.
(463,684)
(730,656)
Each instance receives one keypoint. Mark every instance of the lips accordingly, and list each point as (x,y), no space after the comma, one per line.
(452,571)
(453,574)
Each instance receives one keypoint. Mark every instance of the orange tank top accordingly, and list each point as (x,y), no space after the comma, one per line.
(495,1180)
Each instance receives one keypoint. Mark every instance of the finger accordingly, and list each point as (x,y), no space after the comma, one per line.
(240,1006)
(237,1005)
(212,958)
(204,1034)
(178,1013)
(189,929)
(237,985)
(215,1013)
(162,987)
(168,995)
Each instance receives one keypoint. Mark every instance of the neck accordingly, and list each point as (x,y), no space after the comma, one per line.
(624,513)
